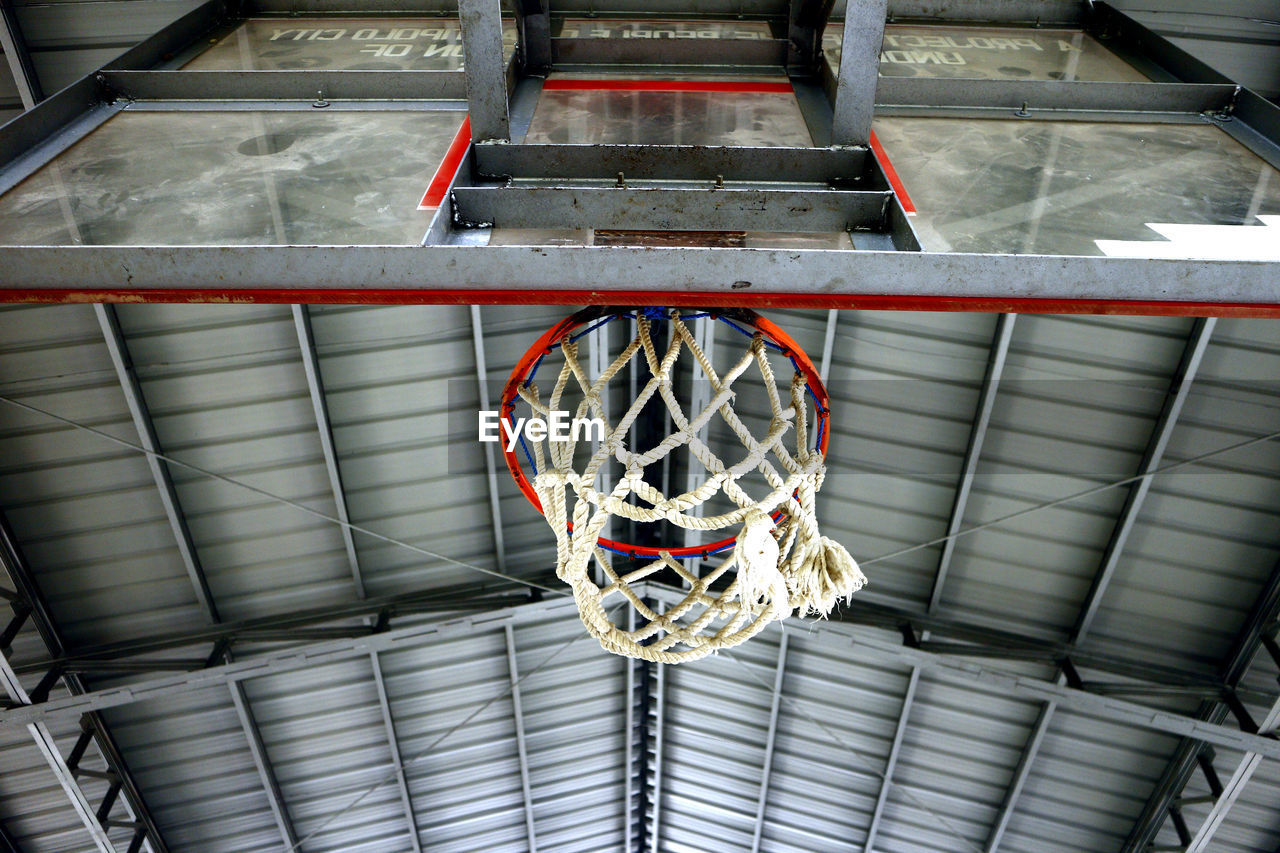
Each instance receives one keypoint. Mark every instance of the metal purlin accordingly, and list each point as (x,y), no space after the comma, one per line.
(28,602)
(997,356)
(324,427)
(131,387)
(1179,390)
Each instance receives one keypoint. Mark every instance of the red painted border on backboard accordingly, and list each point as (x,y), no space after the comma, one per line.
(448,167)
(755,87)
(892,174)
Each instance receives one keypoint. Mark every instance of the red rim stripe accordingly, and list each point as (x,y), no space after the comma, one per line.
(892,174)
(448,167)
(675,299)
(667,86)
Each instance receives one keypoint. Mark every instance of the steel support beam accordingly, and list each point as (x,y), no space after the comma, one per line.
(175,38)
(1038,12)
(521,749)
(658,685)
(282,628)
(48,747)
(887,644)
(286,85)
(1155,55)
(671,162)
(671,209)
(704,334)
(729,56)
(672,276)
(996,357)
(486,72)
(388,723)
(533,22)
(1010,96)
(1044,12)
(599,356)
(275,799)
(295,628)
(983,642)
(290,659)
(1226,799)
(147,834)
(895,749)
(490,454)
(131,387)
(23,69)
(324,427)
(859,72)
(828,345)
(635,751)
(1260,623)
(973,453)
(1175,398)
(771,740)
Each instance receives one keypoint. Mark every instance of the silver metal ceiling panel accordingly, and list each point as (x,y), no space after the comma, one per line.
(387,374)
(959,752)
(454,718)
(836,723)
(574,713)
(714,733)
(192,763)
(1075,410)
(1205,543)
(85,510)
(226,390)
(401,387)
(324,734)
(905,388)
(1087,786)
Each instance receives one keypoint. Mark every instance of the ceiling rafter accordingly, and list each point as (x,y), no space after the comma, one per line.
(66,768)
(771,739)
(522,750)
(17,54)
(298,628)
(1259,624)
(324,429)
(636,752)
(892,646)
(996,357)
(1179,389)
(657,710)
(131,387)
(490,453)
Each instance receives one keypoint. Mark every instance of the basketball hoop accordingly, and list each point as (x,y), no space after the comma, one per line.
(774,561)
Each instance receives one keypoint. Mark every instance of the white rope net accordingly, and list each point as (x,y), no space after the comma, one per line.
(775,567)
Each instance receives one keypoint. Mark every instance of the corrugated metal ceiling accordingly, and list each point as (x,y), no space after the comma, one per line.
(1076,407)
